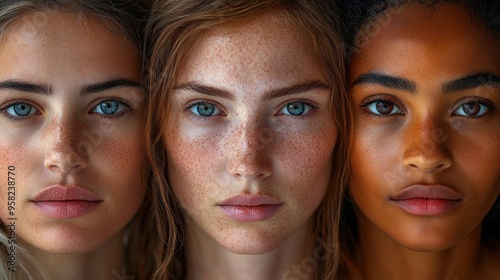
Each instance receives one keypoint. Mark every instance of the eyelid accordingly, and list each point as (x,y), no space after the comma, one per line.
(10,103)
(310,103)
(192,103)
(481,101)
(383,97)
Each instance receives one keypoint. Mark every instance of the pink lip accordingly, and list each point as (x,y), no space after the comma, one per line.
(66,202)
(427,200)
(250,208)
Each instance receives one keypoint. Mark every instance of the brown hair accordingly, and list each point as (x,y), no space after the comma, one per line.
(174,28)
(127,18)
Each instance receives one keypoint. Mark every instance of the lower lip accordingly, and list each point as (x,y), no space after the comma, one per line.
(66,209)
(427,207)
(249,213)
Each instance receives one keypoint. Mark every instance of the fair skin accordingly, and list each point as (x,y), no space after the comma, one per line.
(71,117)
(425,118)
(249,143)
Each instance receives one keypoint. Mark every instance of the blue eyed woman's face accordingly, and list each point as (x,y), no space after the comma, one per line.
(425,160)
(71,113)
(250,136)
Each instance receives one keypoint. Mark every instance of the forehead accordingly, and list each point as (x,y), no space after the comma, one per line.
(442,38)
(257,51)
(63,45)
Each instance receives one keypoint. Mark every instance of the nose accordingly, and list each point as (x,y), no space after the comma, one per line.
(66,150)
(250,151)
(426,147)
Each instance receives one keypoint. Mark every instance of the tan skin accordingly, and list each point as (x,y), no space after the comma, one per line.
(426,132)
(249,145)
(58,136)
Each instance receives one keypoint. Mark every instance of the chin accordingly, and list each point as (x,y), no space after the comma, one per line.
(63,240)
(250,242)
(427,241)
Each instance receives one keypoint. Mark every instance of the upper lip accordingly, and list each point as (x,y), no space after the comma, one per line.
(65,193)
(250,200)
(427,192)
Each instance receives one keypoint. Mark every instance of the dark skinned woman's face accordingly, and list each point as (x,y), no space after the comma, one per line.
(426,155)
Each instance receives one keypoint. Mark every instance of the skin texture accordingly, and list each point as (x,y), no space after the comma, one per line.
(427,143)
(66,141)
(251,146)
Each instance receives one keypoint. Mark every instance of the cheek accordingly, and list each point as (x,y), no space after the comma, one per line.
(191,163)
(307,162)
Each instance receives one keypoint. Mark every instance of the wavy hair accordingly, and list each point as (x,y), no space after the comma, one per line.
(127,18)
(173,30)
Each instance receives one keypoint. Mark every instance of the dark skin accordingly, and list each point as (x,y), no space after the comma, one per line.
(425,91)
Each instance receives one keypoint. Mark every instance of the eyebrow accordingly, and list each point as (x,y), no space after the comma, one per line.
(44,89)
(26,87)
(472,81)
(214,91)
(392,82)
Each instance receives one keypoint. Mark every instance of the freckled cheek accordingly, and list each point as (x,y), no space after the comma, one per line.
(122,159)
(191,166)
(307,163)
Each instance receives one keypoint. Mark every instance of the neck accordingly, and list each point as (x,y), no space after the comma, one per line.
(380,257)
(102,263)
(208,260)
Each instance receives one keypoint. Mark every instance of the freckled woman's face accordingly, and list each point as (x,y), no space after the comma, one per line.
(425,161)
(249,136)
(71,119)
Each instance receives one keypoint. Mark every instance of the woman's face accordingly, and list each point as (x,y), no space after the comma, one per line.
(250,136)
(71,118)
(425,161)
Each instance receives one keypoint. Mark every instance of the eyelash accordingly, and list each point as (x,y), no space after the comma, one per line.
(314,106)
(487,103)
(114,116)
(380,98)
(16,119)
(14,102)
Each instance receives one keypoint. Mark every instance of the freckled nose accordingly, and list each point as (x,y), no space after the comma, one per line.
(66,150)
(426,148)
(250,151)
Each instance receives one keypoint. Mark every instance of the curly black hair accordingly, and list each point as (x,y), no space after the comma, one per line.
(359,13)
(360,17)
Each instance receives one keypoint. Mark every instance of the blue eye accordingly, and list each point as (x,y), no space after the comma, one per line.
(109,107)
(472,109)
(205,109)
(20,110)
(296,108)
(383,107)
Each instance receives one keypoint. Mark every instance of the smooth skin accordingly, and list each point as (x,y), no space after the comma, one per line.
(71,114)
(425,91)
(267,130)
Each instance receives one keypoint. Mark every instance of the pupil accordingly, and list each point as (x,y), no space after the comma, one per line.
(296,108)
(22,109)
(109,107)
(206,109)
(384,107)
(471,108)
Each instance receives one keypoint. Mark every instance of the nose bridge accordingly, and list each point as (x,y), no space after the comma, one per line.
(251,145)
(64,136)
(426,144)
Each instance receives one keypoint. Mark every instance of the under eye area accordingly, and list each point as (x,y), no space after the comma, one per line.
(473,109)
(110,107)
(205,109)
(19,110)
(381,107)
(296,108)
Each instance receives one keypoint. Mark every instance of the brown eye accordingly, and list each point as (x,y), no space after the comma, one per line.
(472,109)
(384,107)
